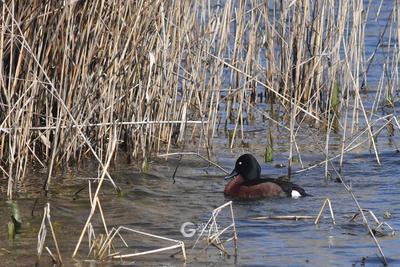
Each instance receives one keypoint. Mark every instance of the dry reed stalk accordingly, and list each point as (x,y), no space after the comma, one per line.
(94,200)
(292,112)
(317,219)
(359,101)
(46,222)
(194,154)
(53,258)
(380,226)
(351,146)
(349,189)
(214,233)
(100,248)
(53,91)
(284,217)
(177,243)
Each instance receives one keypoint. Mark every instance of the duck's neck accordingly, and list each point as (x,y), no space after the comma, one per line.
(234,185)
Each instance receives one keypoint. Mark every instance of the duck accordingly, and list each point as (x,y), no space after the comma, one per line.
(247,183)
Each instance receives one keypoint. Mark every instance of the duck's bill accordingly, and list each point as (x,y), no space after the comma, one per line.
(233,174)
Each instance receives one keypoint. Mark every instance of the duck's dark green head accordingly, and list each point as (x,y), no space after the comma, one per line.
(247,166)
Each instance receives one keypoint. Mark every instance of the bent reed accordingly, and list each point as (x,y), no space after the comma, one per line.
(77,75)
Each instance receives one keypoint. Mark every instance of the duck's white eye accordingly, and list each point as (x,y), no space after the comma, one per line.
(240,163)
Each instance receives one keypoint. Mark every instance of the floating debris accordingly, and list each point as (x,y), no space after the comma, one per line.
(387,215)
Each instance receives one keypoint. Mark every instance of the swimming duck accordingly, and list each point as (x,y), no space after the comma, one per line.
(248,184)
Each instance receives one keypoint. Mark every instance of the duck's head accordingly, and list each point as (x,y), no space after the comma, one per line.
(247,166)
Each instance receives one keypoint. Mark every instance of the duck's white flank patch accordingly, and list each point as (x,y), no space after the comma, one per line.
(295,194)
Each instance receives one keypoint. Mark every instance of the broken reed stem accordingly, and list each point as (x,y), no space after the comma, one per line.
(46,222)
(284,217)
(51,255)
(53,233)
(214,233)
(317,219)
(94,200)
(114,232)
(147,252)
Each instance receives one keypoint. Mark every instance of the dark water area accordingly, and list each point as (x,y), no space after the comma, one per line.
(153,203)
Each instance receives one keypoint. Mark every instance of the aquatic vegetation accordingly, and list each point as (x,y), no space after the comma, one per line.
(126,79)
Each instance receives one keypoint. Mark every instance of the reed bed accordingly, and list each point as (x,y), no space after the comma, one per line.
(153,75)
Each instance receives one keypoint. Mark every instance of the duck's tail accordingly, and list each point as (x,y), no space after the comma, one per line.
(301,191)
